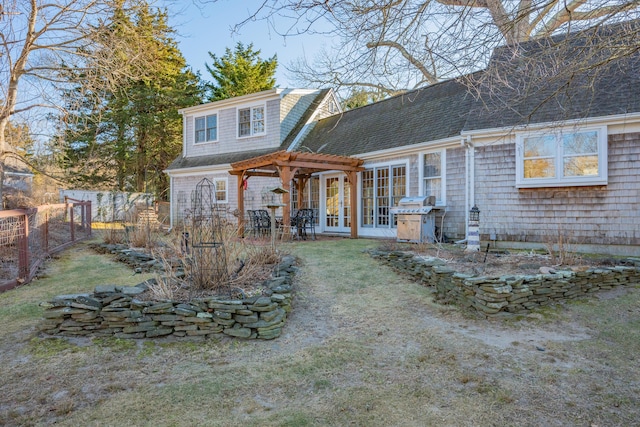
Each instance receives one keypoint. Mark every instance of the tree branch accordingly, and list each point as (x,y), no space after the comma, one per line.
(413,61)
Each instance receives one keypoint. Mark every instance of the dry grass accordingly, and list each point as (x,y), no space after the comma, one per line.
(560,246)
(362,347)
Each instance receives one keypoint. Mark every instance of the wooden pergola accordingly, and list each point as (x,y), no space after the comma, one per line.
(297,167)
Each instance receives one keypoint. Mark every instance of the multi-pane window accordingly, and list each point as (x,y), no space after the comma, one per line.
(432,175)
(561,158)
(251,121)
(314,197)
(206,128)
(221,190)
(368,202)
(382,196)
(382,189)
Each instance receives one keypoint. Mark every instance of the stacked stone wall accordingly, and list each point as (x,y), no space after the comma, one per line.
(495,296)
(118,311)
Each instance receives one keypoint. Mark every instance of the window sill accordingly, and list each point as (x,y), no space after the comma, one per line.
(567,183)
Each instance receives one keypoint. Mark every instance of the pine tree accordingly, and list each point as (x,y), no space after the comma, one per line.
(126,141)
(240,72)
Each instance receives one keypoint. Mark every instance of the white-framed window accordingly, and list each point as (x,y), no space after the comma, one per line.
(382,189)
(433,170)
(221,189)
(561,157)
(251,121)
(206,128)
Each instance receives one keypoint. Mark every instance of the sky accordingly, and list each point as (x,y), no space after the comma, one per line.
(208,28)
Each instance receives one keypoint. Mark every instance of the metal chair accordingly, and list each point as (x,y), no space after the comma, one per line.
(260,225)
(304,220)
(294,225)
(310,222)
(264,222)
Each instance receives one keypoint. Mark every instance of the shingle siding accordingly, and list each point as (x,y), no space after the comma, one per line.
(453,225)
(228,140)
(601,215)
(256,196)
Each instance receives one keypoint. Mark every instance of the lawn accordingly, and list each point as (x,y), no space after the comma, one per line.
(362,347)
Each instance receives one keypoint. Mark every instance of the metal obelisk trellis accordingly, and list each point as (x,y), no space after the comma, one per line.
(207,243)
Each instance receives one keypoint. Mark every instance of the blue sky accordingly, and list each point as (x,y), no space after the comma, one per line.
(208,28)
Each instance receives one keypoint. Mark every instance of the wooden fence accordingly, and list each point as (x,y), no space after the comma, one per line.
(29,236)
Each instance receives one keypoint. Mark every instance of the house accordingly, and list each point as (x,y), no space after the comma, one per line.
(220,133)
(545,157)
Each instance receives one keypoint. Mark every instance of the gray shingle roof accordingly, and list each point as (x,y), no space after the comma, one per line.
(432,113)
(17,169)
(560,78)
(217,159)
(448,108)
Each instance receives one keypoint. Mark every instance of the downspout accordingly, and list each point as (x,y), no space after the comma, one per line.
(469,180)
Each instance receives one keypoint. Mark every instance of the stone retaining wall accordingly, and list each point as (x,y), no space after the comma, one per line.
(495,296)
(116,311)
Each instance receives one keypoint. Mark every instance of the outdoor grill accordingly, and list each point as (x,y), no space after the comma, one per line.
(416,219)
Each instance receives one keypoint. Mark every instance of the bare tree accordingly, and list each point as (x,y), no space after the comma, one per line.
(46,44)
(394,45)
(563,77)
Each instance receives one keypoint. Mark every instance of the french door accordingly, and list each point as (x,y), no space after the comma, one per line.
(337,203)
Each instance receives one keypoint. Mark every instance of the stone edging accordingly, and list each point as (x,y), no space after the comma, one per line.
(496,296)
(114,311)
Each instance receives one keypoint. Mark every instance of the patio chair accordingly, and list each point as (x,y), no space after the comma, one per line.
(304,221)
(264,222)
(294,224)
(260,225)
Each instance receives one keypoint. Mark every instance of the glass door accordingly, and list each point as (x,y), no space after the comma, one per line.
(337,203)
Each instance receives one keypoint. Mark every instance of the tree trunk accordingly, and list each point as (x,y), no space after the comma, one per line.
(3,153)
(141,164)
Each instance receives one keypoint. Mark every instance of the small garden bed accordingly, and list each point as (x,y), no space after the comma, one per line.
(249,298)
(124,312)
(518,284)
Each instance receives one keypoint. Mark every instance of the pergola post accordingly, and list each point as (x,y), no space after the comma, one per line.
(285,177)
(302,181)
(241,205)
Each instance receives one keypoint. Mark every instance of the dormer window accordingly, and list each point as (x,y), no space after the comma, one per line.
(206,128)
(251,121)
